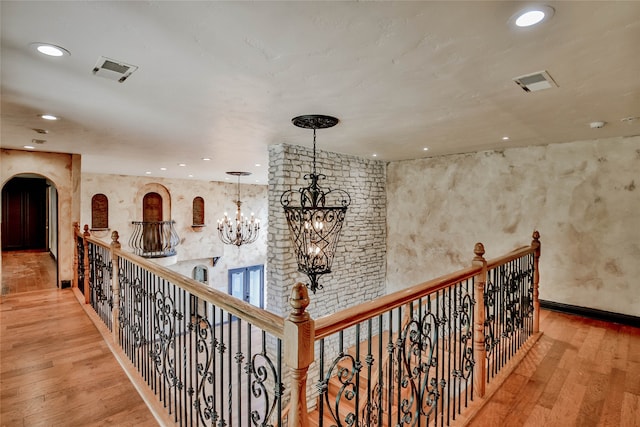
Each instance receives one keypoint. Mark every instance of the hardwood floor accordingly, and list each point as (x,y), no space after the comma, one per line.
(55,368)
(580,373)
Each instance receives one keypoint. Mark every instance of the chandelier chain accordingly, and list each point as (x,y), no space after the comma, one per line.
(314,151)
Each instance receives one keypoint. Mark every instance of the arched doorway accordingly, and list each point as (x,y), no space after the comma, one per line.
(29,234)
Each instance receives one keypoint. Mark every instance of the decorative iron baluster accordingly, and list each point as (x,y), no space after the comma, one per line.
(418,356)
(509,311)
(263,371)
(80,251)
(166,318)
(345,368)
(204,397)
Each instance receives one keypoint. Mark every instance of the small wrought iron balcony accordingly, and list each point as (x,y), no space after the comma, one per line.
(154,239)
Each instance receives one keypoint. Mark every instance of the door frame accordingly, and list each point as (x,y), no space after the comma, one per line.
(246,286)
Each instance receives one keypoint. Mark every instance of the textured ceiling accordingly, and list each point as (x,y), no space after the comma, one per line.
(223,79)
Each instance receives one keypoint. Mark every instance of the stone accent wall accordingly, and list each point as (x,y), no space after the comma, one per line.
(582,196)
(359,266)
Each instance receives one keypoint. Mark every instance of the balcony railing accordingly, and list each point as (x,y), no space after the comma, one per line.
(419,356)
(154,239)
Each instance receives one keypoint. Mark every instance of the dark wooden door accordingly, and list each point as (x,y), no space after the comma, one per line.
(24,214)
(152,227)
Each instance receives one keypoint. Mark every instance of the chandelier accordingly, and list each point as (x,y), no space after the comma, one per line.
(316,220)
(243,230)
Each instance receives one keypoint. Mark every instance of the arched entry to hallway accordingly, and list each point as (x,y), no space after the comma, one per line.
(29,234)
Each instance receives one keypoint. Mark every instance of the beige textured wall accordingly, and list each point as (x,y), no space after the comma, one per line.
(125,205)
(62,170)
(582,196)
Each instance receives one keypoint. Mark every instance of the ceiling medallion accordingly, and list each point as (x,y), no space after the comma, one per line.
(314,214)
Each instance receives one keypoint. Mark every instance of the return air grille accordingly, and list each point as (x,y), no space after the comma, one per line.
(113,70)
(535,81)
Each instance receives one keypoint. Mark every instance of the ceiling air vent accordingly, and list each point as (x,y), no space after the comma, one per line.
(535,81)
(113,70)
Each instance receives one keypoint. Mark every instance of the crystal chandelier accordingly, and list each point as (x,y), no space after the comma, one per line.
(316,220)
(243,230)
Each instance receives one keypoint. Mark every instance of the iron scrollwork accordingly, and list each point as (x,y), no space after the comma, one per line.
(131,314)
(262,370)
(345,368)
(165,319)
(511,287)
(206,346)
(418,361)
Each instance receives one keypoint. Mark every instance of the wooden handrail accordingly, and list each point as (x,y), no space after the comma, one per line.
(515,254)
(335,322)
(265,320)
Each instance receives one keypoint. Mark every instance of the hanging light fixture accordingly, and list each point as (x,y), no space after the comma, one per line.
(243,230)
(315,223)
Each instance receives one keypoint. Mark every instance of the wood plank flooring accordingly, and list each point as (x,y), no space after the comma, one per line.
(55,368)
(580,373)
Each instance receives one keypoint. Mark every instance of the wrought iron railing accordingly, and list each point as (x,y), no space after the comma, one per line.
(100,285)
(509,310)
(419,356)
(209,358)
(154,239)
(79,257)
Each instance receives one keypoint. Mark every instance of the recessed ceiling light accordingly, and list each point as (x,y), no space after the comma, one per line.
(505,138)
(190,176)
(29,147)
(258,165)
(148,173)
(182,164)
(163,169)
(50,49)
(532,16)
(425,149)
(206,159)
(374,155)
(48,117)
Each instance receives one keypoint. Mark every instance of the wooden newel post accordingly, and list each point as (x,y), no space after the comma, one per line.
(536,279)
(76,233)
(87,272)
(115,285)
(480,352)
(299,331)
